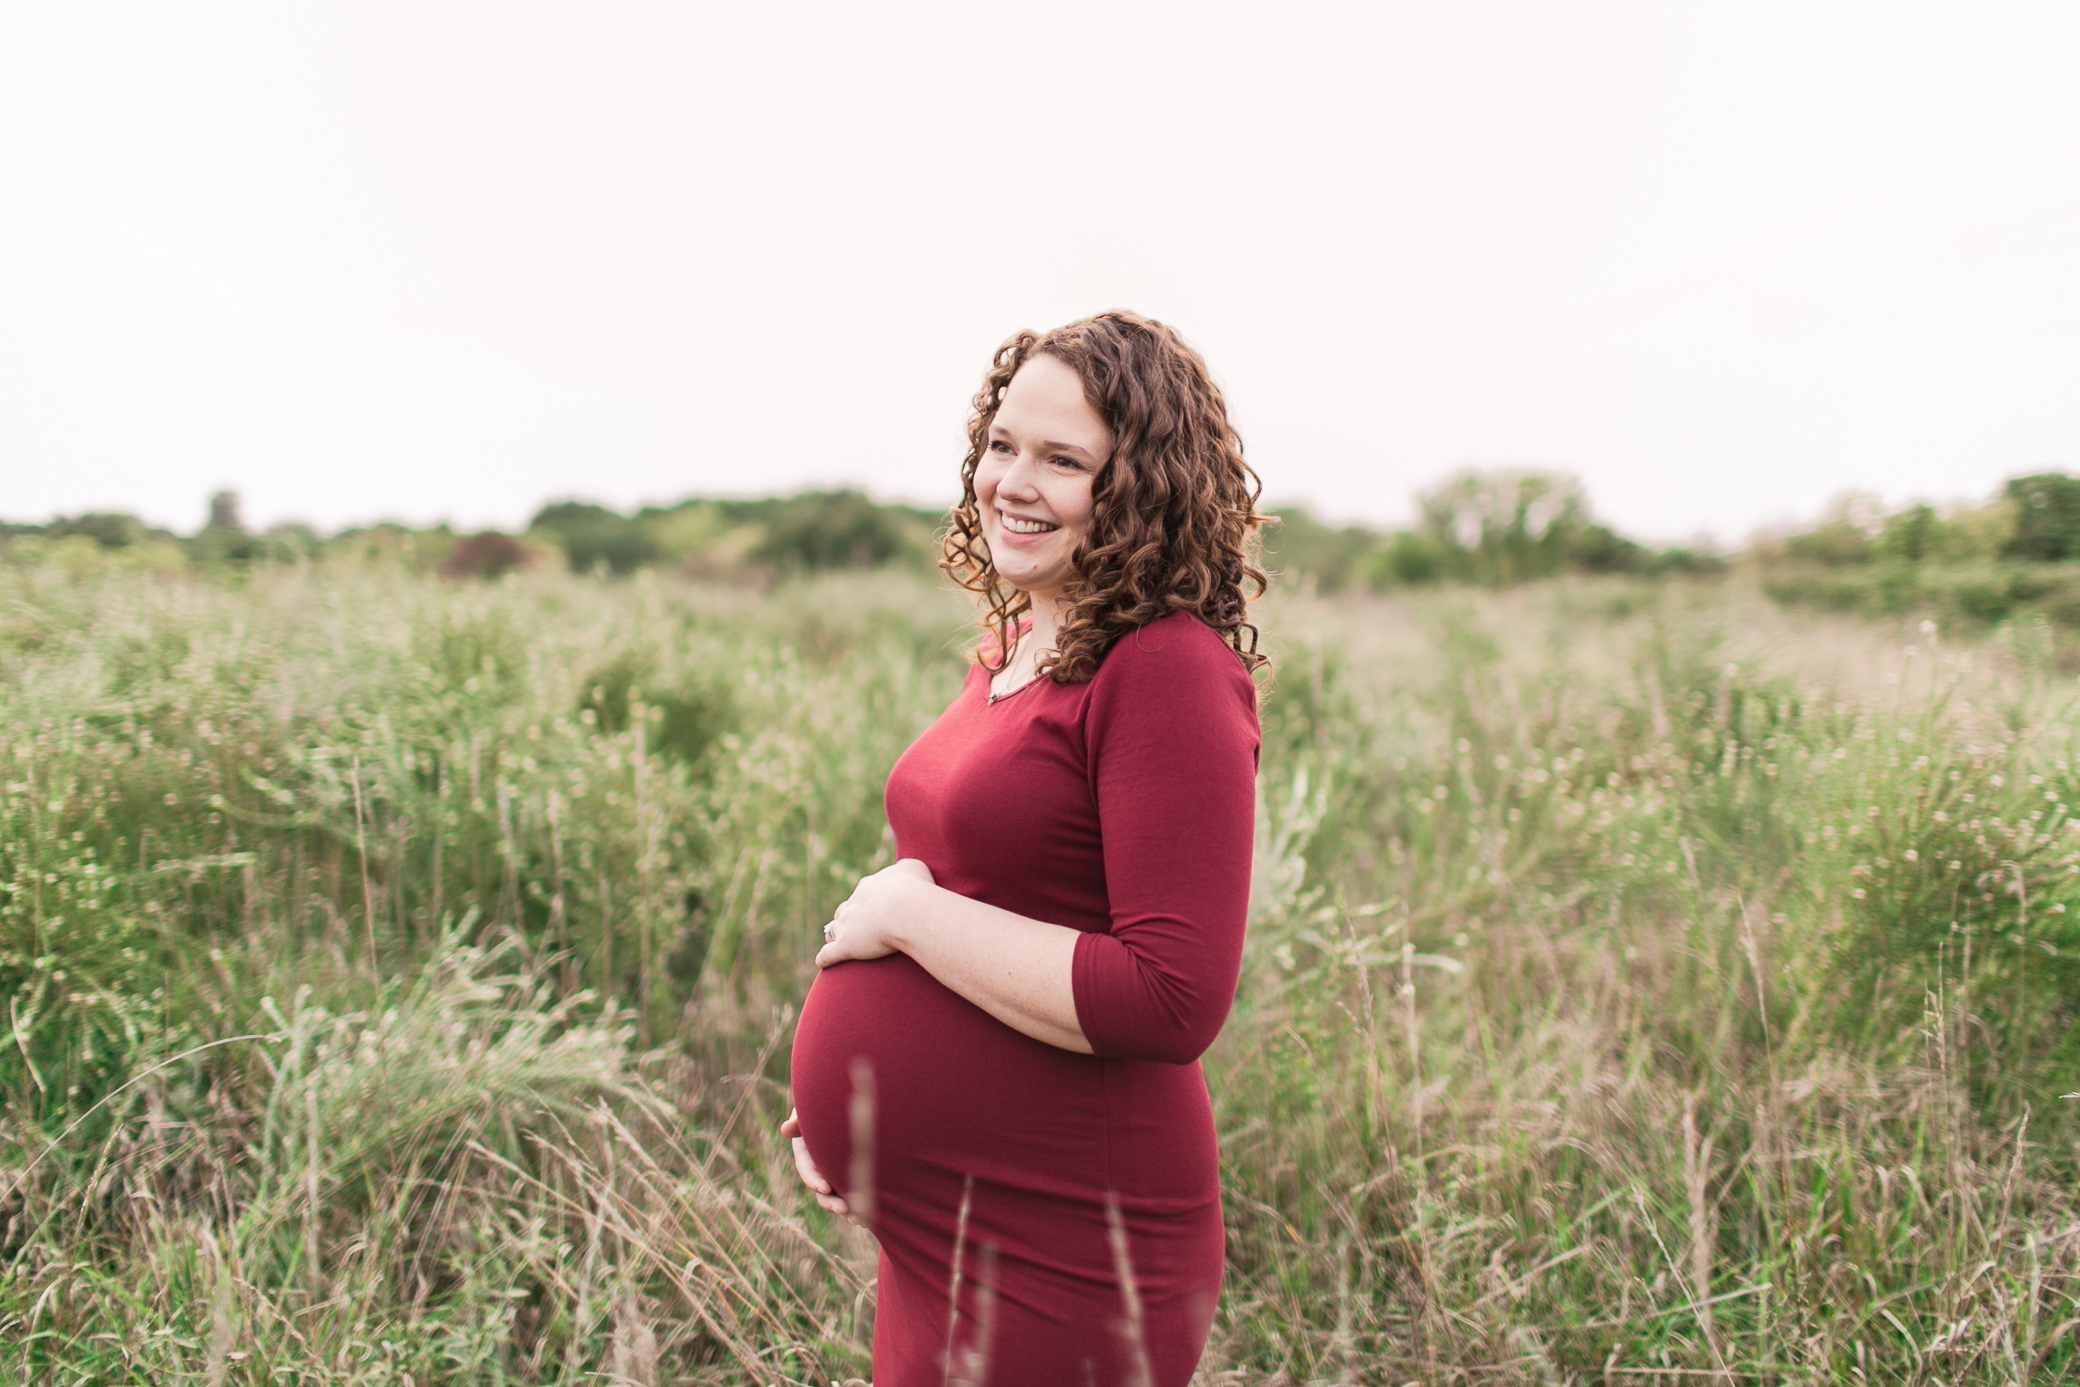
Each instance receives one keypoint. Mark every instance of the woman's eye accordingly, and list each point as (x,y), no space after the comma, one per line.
(998,445)
(1068,462)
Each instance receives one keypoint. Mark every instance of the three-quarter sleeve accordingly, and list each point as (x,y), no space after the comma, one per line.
(1171,737)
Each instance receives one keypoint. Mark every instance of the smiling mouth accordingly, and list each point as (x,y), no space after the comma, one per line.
(1020,526)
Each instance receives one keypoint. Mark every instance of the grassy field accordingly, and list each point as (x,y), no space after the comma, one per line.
(1643,984)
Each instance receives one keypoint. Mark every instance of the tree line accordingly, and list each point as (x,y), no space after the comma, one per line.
(742,540)
(1491,528)
(2015,554)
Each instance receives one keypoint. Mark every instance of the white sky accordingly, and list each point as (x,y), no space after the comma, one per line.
(432,260)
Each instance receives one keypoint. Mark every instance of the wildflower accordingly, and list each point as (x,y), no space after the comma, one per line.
(1857,893)
(1913,856)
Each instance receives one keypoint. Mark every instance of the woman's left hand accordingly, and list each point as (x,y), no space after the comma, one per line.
(866,924)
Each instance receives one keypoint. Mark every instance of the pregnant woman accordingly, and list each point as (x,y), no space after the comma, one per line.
(1008,1021)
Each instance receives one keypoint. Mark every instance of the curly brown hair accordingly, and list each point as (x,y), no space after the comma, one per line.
(1174,510)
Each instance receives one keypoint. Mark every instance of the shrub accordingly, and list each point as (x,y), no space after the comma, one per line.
(1837,544)
(486,555)
(1410,559)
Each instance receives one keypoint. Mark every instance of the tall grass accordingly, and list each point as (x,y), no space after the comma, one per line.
(399,978)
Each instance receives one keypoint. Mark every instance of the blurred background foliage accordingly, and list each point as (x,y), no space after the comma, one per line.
(1492,528)
(2016,554)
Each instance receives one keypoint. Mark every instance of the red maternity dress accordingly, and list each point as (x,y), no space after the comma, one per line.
(1121,807)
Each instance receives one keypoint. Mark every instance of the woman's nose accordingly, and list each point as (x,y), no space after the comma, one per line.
(1019,479)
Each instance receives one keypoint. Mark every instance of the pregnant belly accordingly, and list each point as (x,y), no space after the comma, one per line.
(937,1090)
(973,1136)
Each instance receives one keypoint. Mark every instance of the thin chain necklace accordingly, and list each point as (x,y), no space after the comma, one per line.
(1017,655)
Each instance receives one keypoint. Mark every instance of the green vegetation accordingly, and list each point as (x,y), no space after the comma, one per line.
(762,539)
(751,542)
(1494,529)
(2017,556)
(399,975)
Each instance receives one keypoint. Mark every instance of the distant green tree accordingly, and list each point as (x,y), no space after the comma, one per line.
(290,541)
(829,529)
(1844,536)
(2047,517)
(1909,536)
(1333,556)
(1837,544)
(1508,526)
(224,513)
(1410,558)
(1600,549)
(421,551)
(223,539)
(109,529)
(592,536)
(1683,559)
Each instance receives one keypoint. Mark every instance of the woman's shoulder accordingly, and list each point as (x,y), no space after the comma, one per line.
(1176,647)
(1173,686)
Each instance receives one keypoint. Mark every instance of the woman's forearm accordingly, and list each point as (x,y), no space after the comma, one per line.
(1015,968)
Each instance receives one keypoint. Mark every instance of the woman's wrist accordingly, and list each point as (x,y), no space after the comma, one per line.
(910,907)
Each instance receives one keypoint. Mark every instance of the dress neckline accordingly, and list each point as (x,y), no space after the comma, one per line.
(990,696)
(990,700)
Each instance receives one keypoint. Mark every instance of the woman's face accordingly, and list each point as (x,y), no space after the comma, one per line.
(1033,482)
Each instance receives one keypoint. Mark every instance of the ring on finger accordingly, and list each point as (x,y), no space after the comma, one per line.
(830,931)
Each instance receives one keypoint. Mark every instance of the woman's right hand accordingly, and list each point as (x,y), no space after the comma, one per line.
(826,1197)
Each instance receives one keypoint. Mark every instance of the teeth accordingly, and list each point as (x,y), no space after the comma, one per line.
(1027,527)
